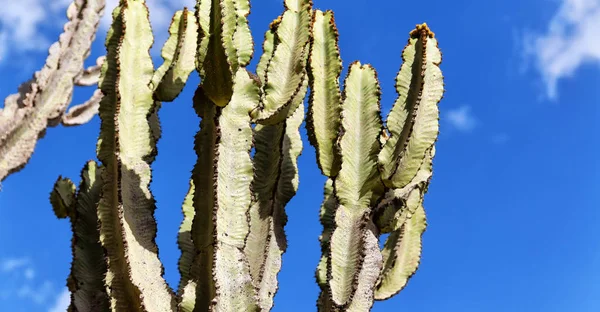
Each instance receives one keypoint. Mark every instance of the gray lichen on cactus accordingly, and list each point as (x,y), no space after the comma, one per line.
(232,236)
(377,177)
(41,102)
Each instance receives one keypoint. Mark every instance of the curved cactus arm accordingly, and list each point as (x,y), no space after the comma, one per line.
(358,182)
(413,121)
(126,147)
(90,75)
(401,255)
(286,69)
(325,67)
(399,204)
(369,272)
(268,48)
(179,54)
(63,197)
(41,101)
(84,112)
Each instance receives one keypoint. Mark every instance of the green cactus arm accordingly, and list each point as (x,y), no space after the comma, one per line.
(401,256)
(187,286)
(358,181)
(203,228)
(179,53)
(184,239)
(369,272)
(325,67)
(268,48)
(203,19)
(42,100)
(225,37)
(63,198)
(267,160)
(327,218)
(234,289)
(285,71)
(217,77)
(399,204)
(413,121)
(237,38)
(287,185)
(126,148)
(89,267)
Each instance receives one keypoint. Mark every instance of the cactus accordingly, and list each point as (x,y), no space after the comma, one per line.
(42,101)
(377,177)
(232,236)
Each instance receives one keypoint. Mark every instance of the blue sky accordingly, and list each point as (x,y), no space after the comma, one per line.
(512,208)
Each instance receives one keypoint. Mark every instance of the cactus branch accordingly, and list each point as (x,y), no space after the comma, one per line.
(127,145)
(42,101)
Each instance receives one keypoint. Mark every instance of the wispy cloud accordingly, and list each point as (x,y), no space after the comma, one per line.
(570,40)
(18,280)
(9,265)
(23,23)
(39,294)
(461,118)
(62,301)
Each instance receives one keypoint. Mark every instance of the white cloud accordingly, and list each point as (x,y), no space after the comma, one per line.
(29,273)
(22,22)
(39,294)
(570,40)
(461,118)
(62,301)
(12,264)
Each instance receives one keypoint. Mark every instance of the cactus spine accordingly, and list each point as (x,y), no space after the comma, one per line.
(232,235)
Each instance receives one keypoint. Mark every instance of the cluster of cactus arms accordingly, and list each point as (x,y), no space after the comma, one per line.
(43,100)
(377,176)
(232,236)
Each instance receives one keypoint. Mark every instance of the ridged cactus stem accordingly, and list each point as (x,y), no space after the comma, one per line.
(42,101)
(86,281)
(127,146)
(377,176)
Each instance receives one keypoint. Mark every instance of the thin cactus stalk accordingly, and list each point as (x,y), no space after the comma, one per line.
(377,176)
(42,101)
(232,236)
